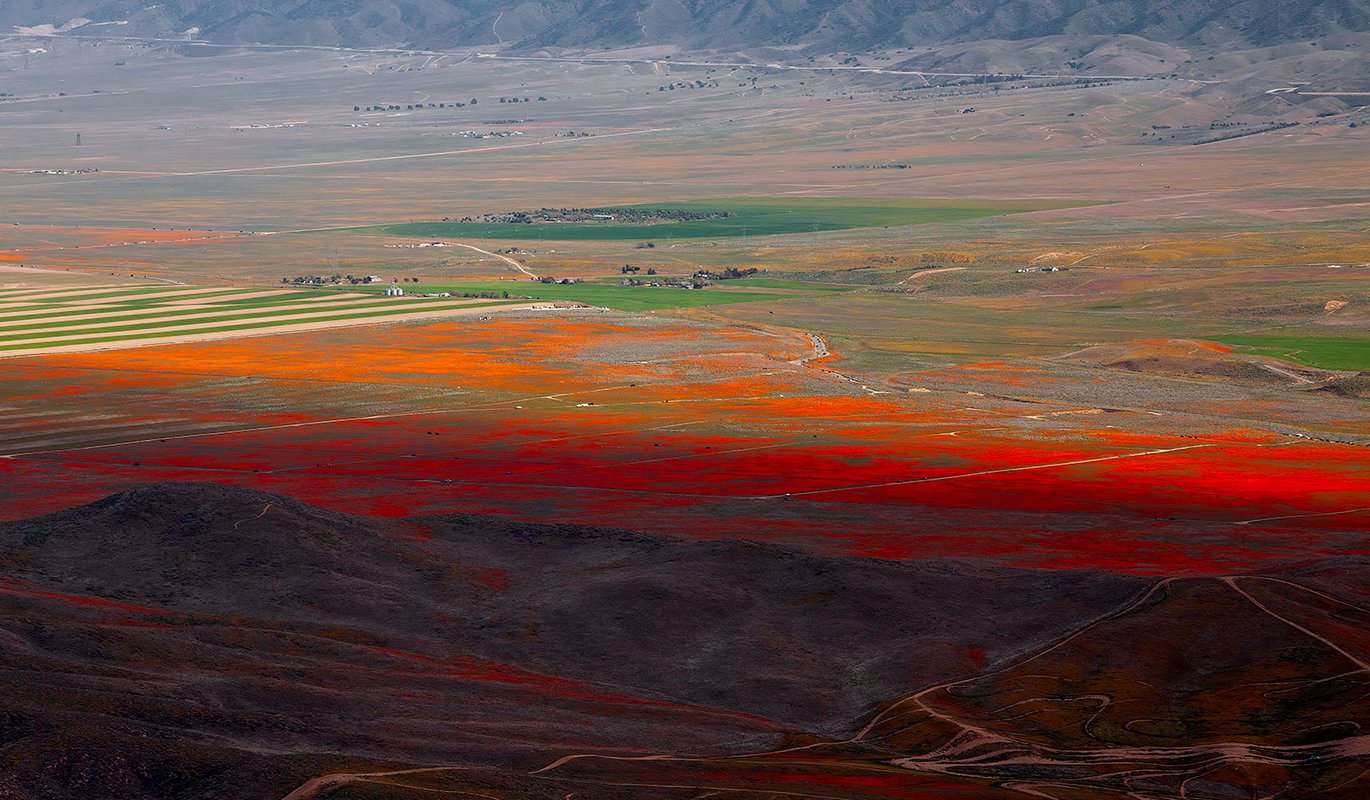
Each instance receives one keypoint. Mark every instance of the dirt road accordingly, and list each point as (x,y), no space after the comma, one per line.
(312,787)
(516,265)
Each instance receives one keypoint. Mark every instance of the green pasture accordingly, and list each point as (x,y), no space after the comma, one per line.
(750,217)
(1325,352)
(783,283)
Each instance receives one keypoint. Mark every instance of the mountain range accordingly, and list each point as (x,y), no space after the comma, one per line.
(803,26)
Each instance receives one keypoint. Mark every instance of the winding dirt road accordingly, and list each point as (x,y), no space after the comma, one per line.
(313,786)
(973,749)
(516,265)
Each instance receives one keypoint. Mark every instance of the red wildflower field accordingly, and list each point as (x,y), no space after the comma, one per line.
(664,427)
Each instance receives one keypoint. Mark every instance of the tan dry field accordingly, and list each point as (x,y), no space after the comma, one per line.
(264,171)
(782,138)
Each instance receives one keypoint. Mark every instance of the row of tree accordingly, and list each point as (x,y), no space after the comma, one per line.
(335,279)
(414,106)
(633,215)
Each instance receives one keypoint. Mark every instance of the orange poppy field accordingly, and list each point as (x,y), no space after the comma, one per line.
(673,427)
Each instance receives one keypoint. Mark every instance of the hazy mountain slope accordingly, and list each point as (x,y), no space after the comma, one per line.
(818,25)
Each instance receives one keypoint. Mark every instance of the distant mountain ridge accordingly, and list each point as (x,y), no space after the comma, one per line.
(810,26)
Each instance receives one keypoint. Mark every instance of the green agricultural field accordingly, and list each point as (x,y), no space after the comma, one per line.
(1313,351)
(51,316)
(117,335)
(782,283)
(749,217)
(622,298)
(65,319)
(112,294)
(178,319)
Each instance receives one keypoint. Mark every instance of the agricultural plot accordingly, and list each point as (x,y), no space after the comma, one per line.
(35,322)
(741,217)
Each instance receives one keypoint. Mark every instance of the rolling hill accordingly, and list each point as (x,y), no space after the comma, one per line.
(197,641)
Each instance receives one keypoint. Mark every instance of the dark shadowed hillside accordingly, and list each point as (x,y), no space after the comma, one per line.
(820,26)
(188,640)
(1281,716)
(804,639)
